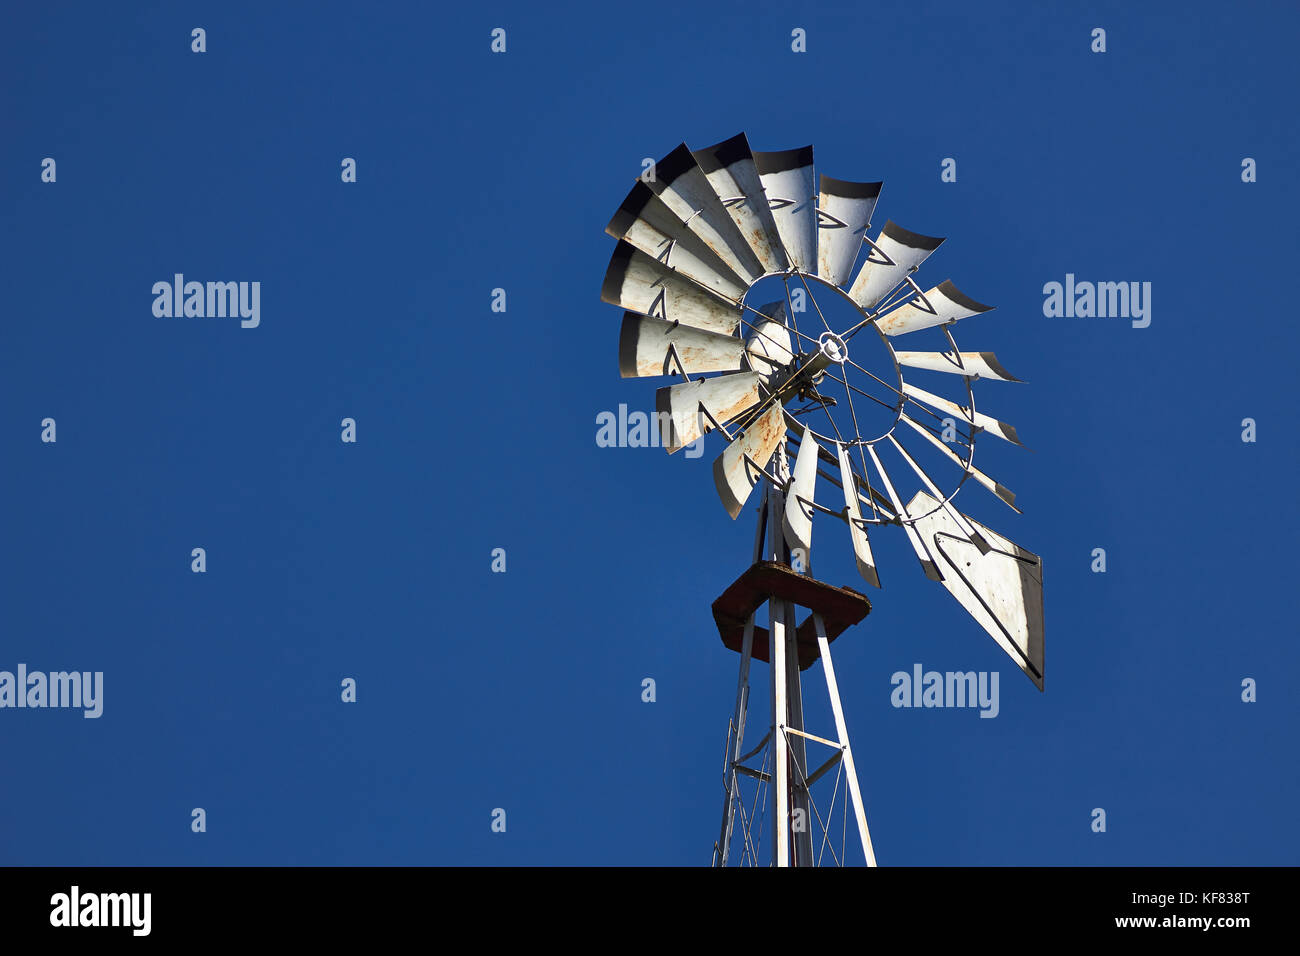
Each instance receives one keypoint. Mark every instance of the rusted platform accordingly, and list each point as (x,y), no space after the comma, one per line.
(840,608)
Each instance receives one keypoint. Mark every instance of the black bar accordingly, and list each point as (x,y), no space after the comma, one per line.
(334,905)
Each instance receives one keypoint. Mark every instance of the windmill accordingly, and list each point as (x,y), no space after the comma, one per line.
(698,242)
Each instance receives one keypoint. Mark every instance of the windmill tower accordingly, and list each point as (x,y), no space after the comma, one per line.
(698,245)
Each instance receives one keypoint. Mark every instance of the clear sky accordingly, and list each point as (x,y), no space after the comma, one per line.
(476,429)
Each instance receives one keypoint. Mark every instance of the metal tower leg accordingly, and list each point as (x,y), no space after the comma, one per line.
(780,701)
(800,802)
(841,731)
(797,832)
(733,747)
(736,741)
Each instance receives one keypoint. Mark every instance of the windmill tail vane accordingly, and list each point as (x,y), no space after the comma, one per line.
(693,242)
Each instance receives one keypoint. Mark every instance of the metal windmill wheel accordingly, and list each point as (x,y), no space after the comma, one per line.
(696,247)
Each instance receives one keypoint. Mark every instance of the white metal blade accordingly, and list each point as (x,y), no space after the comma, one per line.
(739,468)
(1006,494)
(768,345)
(645,347)
(958,518)
(729,168)
(969,364)
(897,255)
(787,178)
(844,213)
(647,223)
(797,522)
(642,284)
(857,530)
(724,398)
(683,187)
(1002,590)
(988,423)
(928,564)
(946,305)
(879,504)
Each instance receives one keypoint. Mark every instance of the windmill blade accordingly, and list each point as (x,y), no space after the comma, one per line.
(959,519)
(723,398)
(877,501)
(896,254)
(683,187)
(1002,590)
(844,214)
(740,466)
(797,522)
(646,346)
(969,364)
(928,564)
(768,345)
(645,221)
(989,424)
(857,530)
(729,168)
(942,305)
(787,178)
(1006,494)
(642,284)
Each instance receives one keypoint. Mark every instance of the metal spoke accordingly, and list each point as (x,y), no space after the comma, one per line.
(857,429)
(897,391)
(790,309)
(808,291)
(831,418)
(845,382)
(886,303)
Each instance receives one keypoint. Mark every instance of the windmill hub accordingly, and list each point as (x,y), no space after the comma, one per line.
(834,347)
(862,369)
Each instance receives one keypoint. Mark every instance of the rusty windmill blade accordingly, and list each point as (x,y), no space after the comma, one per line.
(650,346)
(895,255)
(741,465)
(787,178)
(639,283)
(683,187)
(844,215)
(942,305)
(729,167)
(695,408)
(800,500)
(768,345)
(646,222)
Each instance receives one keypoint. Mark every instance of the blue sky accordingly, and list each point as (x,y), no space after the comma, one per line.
(476,430)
